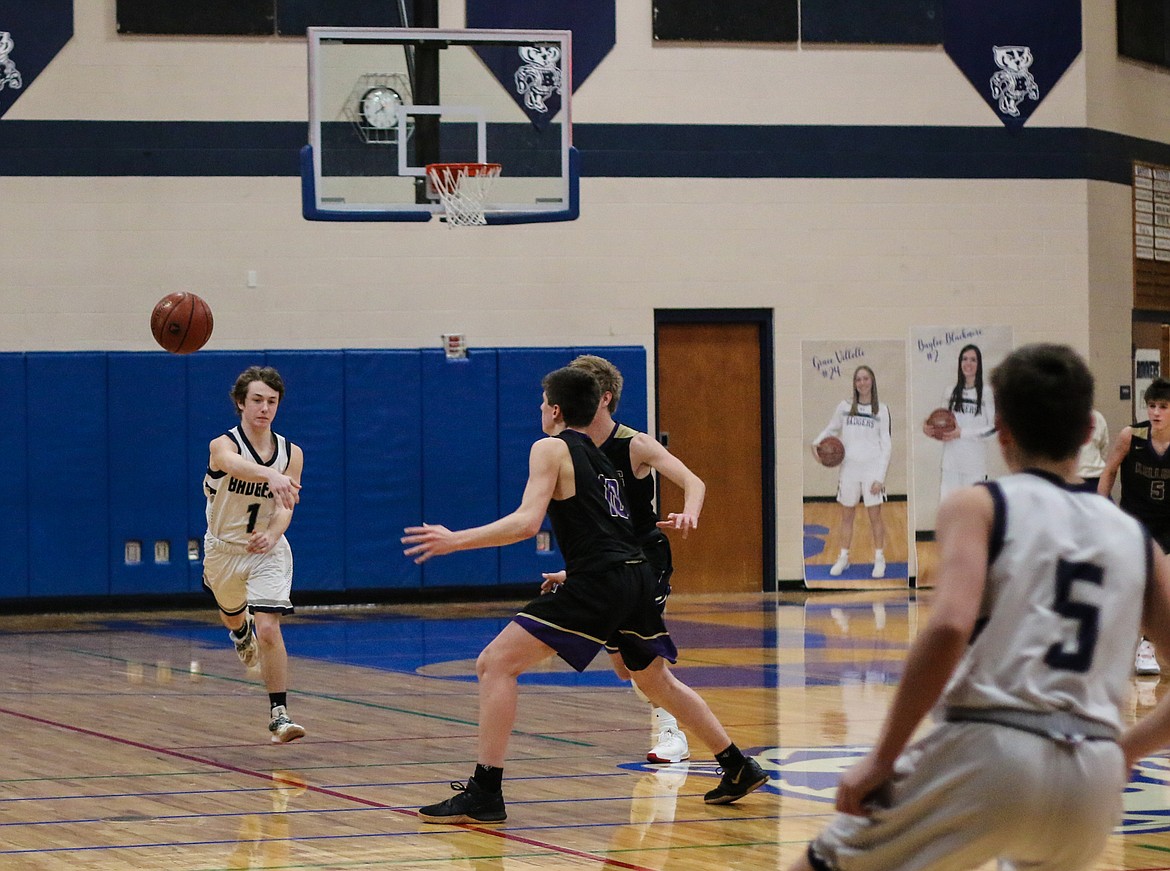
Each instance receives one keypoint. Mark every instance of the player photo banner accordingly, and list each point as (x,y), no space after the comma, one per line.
(1013,51)
(950,371)
(31,35)
(532,74)
(853,396)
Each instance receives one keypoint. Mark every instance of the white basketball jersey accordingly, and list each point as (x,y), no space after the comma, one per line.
(235,508)
(1062,606)
(967,455)
(865,435)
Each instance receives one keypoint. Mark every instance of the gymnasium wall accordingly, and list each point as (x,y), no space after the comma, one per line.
(856,191)
(106,448)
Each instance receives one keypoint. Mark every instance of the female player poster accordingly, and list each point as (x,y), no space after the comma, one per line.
(950,368)
(855,510)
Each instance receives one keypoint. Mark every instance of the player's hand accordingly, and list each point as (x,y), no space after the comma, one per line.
(552,580)
(876,487)
(861,785)
(949,436)
(261,542)
(685,522)
(285,489)
(428,540)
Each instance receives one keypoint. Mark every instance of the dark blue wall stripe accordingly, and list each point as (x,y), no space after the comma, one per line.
(271,148)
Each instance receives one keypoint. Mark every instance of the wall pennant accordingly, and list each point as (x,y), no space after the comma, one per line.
(31,35)
(1013,51)
(530,75)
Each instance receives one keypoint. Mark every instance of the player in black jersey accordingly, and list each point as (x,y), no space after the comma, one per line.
(1141,454)
(636,456)
(608,594)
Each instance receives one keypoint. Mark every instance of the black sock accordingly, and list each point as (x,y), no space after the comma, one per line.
(731,759)
(281,699)
(242,632)
(488,777)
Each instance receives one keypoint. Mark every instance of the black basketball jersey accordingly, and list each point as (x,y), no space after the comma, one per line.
(1145,479)
(592,527)
(639,491)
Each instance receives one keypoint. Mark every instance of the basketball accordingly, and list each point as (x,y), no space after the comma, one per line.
(181,322)
(941,421)
(830,451)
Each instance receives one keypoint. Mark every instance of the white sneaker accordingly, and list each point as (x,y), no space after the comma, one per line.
(841,564)
(246,648)
(1145,662)
(671,747)
(282,728)
(879,567)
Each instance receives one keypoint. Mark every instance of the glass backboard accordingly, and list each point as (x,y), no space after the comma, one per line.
(386,102)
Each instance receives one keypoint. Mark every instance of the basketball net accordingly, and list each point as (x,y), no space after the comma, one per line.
(462,189)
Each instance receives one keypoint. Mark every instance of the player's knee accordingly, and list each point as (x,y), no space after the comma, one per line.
(267,632)
(492,662)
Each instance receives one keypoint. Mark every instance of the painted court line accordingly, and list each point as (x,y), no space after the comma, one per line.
(267,777)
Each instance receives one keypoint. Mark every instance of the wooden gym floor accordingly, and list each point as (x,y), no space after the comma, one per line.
(139,741)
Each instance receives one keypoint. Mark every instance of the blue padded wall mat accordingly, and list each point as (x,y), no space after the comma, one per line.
(14,581)
(68,504)
(148,453)
(383,456)
(460,460)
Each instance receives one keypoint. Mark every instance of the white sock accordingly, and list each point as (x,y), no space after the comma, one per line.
(879,554)
(638,692)
(844,553)
(661,718)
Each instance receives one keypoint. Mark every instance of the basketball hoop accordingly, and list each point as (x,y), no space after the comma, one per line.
(462,188)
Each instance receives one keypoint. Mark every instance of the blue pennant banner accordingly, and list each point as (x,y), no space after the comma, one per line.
(31,35)
(530,75)
(1013,51)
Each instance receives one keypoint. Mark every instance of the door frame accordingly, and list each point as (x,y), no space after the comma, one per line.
(762,318)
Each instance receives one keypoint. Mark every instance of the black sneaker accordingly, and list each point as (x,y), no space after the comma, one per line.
(473,805)
(750,776)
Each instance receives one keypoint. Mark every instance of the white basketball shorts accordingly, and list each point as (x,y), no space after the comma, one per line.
(238,579)
(968,793)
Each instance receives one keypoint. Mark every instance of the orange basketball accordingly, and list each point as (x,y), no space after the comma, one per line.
(941,421)
(181,322)
(830,451)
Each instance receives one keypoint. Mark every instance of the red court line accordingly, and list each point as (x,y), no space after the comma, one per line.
(267,777)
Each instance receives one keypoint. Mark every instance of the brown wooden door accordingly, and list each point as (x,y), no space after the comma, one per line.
(710,407)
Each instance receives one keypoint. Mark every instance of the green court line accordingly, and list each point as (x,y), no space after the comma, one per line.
(343,700)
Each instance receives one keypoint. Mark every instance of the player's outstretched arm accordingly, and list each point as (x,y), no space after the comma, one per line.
(647,451)
(224,457)
(963,530)
(1113,460)
(544,467)
(1152,732)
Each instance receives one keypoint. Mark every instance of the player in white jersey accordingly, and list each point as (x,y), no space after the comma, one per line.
(964,459)
(1027,655)
(863,425)
(252,485)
